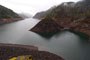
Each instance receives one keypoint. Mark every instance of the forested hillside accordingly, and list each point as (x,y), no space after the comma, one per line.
(7,15)
(69,16)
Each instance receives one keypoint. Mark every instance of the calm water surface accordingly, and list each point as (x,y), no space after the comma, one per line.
(69,45)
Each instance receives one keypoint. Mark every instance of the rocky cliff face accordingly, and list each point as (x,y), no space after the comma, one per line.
(82,26)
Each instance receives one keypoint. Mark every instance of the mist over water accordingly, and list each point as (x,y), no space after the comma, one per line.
(66,44)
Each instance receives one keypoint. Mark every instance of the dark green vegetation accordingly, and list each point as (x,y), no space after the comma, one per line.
(69,16)
(7,13)
(67,9)
(72,10)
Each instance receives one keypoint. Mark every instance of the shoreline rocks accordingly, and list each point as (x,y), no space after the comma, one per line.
(21,46)
(56,25)
(8,51)
(4,20)
(45,26)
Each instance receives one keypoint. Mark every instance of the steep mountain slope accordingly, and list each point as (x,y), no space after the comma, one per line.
(71,16)
(41,15)
(7,15)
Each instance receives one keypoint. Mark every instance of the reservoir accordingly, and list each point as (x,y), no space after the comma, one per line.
(66,44)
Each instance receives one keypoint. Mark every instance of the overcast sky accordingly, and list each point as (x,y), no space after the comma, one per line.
(31,6)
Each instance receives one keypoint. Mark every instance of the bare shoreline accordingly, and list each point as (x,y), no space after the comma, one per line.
(9,20)
(8,51)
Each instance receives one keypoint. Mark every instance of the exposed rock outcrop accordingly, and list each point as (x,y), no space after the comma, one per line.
(56,25)
(82,26)
(47,25)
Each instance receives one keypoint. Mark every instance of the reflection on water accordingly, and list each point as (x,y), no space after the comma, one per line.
(85,36)
(69,45)
(47,35)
